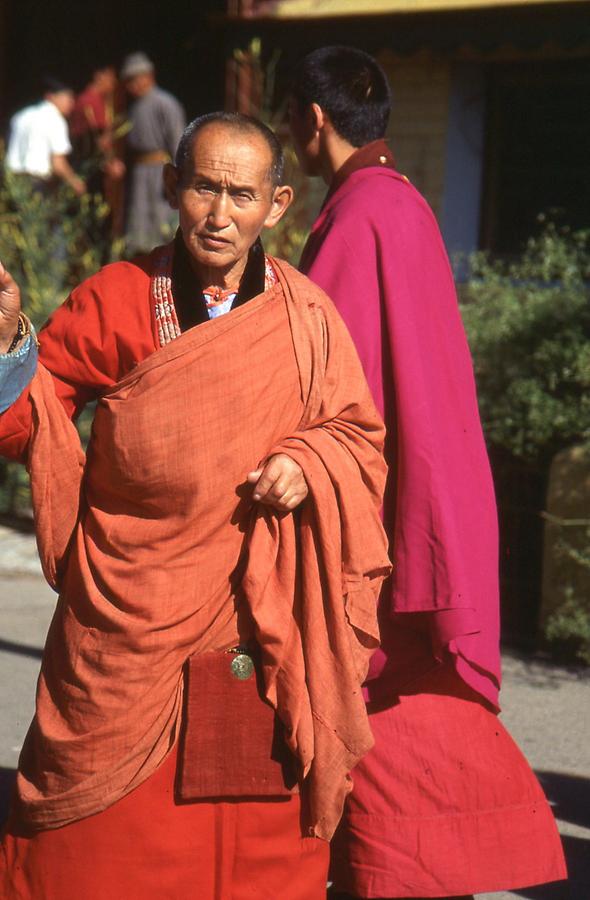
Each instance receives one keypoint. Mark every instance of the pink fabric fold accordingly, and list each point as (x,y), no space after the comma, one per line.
(397,296)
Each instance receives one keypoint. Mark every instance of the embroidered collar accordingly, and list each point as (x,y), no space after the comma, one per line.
(179,299)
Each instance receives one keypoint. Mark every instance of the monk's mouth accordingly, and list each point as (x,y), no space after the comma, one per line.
(212,242)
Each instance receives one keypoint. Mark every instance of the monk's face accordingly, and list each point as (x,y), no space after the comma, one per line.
(225,197)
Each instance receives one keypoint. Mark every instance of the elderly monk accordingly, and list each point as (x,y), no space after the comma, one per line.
(444,804)
(218,553)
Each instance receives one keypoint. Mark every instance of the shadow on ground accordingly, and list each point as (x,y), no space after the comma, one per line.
(541,670)
(569,795)
(570,798)
(22,524)
(7,779)
(20,649)
(578,886)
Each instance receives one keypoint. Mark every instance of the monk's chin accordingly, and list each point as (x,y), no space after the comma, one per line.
(216,257)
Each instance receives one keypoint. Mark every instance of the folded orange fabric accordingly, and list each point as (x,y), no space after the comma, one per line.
(154,543)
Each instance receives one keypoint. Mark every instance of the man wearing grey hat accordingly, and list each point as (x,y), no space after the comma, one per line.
(157,121)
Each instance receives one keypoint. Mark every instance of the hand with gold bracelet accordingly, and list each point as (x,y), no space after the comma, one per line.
(12,323)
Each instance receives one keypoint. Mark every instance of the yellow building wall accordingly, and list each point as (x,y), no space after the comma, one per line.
(309,9)
(418,126)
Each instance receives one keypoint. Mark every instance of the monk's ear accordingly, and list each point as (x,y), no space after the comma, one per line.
(281,201)
(171,177)
(317,117)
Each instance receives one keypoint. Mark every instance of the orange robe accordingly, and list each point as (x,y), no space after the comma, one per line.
(155,548)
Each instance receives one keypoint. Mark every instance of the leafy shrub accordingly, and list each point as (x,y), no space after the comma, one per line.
(528,323)
(49,244)
(568,627)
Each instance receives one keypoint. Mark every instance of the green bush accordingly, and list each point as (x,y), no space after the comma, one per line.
(528,324)
(49,244)
(568,630)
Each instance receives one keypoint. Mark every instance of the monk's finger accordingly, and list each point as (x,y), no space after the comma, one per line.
(9,290)
(280,479)
(271,472)
(262,486)
(290,499)
(293,503)
(294,486)
(285,484)
(291,488)
(289,482)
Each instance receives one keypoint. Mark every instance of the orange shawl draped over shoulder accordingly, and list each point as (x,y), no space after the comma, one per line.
(154,545)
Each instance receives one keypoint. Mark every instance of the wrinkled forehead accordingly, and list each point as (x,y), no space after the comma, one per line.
(231,153)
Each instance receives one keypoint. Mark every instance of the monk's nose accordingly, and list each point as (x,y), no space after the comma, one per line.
(219,211)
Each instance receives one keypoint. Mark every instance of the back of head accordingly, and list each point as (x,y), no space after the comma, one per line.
(350,86)
(59,93)
(52,85)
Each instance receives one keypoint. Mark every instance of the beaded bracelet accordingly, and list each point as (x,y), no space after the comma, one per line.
(23,328)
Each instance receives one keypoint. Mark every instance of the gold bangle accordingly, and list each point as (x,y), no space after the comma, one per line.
(23,329)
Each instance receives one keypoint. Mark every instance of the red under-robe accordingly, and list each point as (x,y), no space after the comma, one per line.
(445,803)
(148,847)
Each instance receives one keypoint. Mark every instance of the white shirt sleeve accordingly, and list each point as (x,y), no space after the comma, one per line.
(57,134)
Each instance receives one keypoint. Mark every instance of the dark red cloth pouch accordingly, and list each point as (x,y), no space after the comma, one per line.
(232,743)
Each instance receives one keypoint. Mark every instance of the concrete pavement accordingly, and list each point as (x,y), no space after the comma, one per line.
(546,708)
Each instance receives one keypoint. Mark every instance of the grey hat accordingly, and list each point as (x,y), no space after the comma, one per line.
(136,64)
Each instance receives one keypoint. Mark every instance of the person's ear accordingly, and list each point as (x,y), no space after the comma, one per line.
(317,116)
(171,177)
(281,201)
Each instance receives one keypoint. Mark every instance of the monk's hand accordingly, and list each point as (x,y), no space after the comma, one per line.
(9,308)
(280,483)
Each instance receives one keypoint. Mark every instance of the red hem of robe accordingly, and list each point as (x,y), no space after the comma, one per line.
(444,804)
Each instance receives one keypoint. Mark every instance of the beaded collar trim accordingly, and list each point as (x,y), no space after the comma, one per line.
(163,299)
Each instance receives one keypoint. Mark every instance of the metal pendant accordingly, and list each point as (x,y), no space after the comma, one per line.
(242,666)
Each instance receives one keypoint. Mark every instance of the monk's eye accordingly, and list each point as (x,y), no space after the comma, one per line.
(205,190)
(242,198)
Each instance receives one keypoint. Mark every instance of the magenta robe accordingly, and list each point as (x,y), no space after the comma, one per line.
(396,294)
(444,804)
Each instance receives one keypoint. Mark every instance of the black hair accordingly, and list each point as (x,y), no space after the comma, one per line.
(101,65)
(247,124)
(52,85)
(350,86)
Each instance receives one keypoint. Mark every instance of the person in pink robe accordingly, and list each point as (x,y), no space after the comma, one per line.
(445,805)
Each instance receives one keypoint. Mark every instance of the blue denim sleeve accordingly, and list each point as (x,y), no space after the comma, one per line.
(16,372)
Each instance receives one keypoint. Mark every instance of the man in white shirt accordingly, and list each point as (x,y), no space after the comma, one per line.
(39,143)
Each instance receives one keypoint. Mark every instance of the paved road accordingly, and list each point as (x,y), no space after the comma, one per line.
(547,709)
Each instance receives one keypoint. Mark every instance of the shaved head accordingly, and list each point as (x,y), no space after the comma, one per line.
(247,125)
